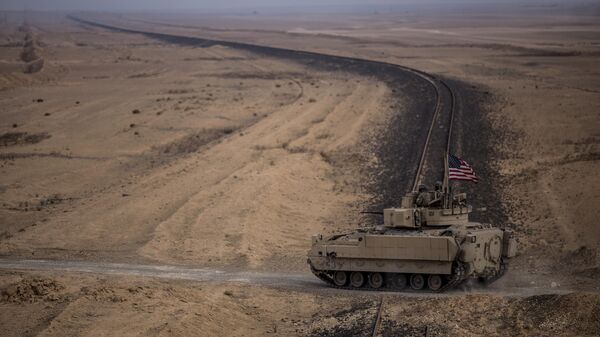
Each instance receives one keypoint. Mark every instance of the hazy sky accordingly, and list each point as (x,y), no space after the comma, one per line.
(209,4)
(170,4)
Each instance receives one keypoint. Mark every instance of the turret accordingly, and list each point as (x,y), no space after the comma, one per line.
(434,214)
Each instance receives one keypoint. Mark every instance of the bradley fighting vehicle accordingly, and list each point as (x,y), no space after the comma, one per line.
(426,243)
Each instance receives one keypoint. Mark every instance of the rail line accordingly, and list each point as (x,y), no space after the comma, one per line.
(452,110)
(378,318)
(438,110)
(438,118)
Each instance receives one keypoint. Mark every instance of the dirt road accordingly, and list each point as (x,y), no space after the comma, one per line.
(162,271)
(291,281)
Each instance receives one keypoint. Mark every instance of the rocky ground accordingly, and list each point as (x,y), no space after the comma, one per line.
(52,304)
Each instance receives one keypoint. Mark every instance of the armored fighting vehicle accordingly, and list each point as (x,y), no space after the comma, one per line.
(426,243)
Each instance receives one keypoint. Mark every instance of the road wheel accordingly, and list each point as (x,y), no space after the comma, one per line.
(340,278)
(357,279)
(376,280)
(434,282)
(400,281)
(417,281)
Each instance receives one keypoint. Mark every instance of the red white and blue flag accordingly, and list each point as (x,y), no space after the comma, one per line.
(459,169)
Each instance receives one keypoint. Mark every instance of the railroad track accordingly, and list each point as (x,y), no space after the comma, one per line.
(378,318)
(440,116)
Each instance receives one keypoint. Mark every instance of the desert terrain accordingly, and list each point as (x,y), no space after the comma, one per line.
(215,164)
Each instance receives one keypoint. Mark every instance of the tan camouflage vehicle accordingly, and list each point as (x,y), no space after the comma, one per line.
(426,243)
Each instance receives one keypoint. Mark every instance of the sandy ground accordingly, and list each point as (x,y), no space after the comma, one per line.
(128,149)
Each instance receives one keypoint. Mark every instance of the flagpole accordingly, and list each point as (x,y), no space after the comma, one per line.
(445,187)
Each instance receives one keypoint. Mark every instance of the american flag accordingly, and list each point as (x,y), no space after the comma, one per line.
(459,169)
